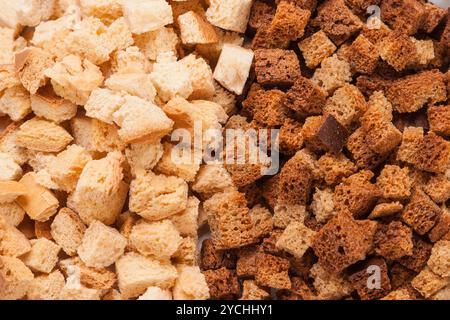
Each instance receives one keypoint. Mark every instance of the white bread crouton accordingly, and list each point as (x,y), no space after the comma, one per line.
(296,239)
(43,255)
(67,230)
(135,84)
(156,293)
(74,79)
(156,197)
(195,30)
(136,273)
(42,135)
(143,156)
(9,169)
(105,10)
(158,240)
(140,120)
(102,104)
(46,104)
(15,102)
(13,243)
(224,98)
(100,182)
(211,52)
(10,190)
(30,65)
(213,109)
(155,42)
(8,77)
(130,60)
(96,135)
(46,287)
(171,78)
(187,252)
(12,213)
(66,168)
(229,14)
(39,203)
(8,16)
(32,12)
(190,284)
(201,77)
(146,15)
(101,245)
(212,178)
(8,144)
(74,290)
(186,221)
(233,67)
(15,278)
(6,45)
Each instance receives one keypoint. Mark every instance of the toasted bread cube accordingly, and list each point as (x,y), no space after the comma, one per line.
(159,240)
(406,16)
(42,135)
(179,167)
(10,190)
(39,203)
(439,119)
(233,67)
(329,286)
(155,197)
(398,50)
(190,284)
(146,15)
(7,36)
(439,261)
(42,256)
(186,222)
(136,273)
(332,74)
(15,102)
(212,178)
(195,30)
(144,156)
(362,55)
(211,52)
(251,291)
(100,192)
(46,104)
(295,239)
(46,286)
(9,169)
(428,283)
(229,14)
(156,293)
(15,278)
(155,42)
(135,84)
(13,243)
(12,213)
(347,104)
(31,64)
(102,104)
(66,168)
(67,230)
(8,77)
(130,60)
(140,120)
(201,77)
(438,188)
(223,284)
(316,48)
(101,245)
(74,79)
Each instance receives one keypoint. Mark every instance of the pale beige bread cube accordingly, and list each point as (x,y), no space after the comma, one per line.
(443,294)
(316,48)
(187,252)
(100,192)
(322,205)
(224,98)
(135,84)
(233,67)
(74,290)
(68,230)
(95,135)
(74,78)
(15,102)
(140,120)
(10,190)
(179,162)
(212,178)
(42,135)
(46,286)
(332,74)
(425,51)
(102,104)
(285,214)
(201,77)
(119,35)
(329,286)
(158,240)
(296,239)
(65,169)
(156,197)
(43,255)
(101,245)
(190,284)
(399,294)
(130,60)
(214,111)
(171,78)
(7,36)
(13,243)
(156,293)
(39,203)
(8,77)
(194,29)
(428,283)
(143,156)
(32,12)
(251,291)
(15,278)
(31,64)
(439,261)
(105,10)
(229,14)
(155,42)
(9,169)
(186,222)
(46,104)
(12,213)
(136,273)
(211,52)
(146,15)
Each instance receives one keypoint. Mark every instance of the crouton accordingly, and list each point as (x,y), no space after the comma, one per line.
(229,15)
(316,48)
(195,30)
(10,170)
(15,102)
(46,104)
(190,284)
(15,278)
(43,255)
(144,16)
(68,230)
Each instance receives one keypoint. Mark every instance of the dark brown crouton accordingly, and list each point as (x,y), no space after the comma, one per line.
(362,56)
(223,284)
(306,97)
(272,271)
(393,241)
(421,213)
(439,119)
(406,16)
(276,67)
(211,258)
(419,257)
